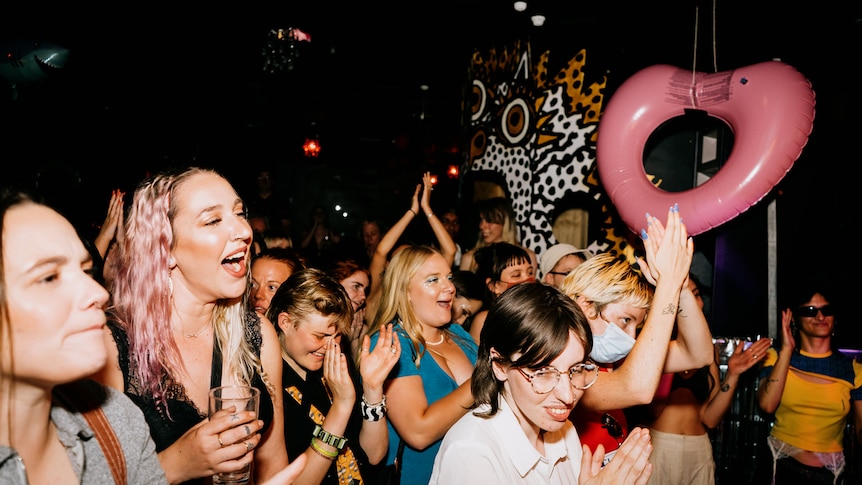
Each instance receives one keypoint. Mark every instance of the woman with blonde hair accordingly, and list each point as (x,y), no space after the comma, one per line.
(429,388)
(180,326)
(632,317)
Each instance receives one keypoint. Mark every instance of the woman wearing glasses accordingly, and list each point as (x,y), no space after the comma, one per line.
(811,388)
(531,371)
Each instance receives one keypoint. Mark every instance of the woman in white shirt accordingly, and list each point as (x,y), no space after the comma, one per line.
(531,371)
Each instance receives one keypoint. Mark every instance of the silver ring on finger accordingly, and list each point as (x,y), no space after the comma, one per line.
(394,350)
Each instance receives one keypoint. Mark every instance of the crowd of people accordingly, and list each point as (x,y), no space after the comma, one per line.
(403,358)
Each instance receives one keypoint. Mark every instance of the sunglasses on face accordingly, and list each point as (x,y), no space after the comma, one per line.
(811,311)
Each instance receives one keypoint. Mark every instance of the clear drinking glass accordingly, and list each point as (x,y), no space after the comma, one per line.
(245,398)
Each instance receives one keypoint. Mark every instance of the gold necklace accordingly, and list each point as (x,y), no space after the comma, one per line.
(195,335)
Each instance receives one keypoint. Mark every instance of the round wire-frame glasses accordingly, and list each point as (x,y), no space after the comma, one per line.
(544,380)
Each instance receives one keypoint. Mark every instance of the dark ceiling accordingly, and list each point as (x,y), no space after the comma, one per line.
(146,82)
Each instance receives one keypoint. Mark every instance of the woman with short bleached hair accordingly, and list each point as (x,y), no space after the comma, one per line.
(632,324)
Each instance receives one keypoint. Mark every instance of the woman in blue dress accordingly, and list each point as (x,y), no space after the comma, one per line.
(429,388)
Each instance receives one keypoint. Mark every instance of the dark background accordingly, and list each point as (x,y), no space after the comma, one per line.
(149,85)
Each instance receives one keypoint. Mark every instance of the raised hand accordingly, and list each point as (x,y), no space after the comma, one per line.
(788,341)
(112,227)
(374,367)
(669,249)
(427,187)
(630,465)
(743,359)
(336,373)
(414,205)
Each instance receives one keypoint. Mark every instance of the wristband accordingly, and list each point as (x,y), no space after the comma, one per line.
(328,438)
(429,215)
(373,412)
(329,455)
(411,210)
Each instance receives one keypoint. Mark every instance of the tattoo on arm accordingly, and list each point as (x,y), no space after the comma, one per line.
(725,387)
(669,310)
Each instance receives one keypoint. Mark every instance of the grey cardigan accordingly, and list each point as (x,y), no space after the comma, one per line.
(85,453)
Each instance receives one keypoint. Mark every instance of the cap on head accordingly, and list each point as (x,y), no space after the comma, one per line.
(555,253)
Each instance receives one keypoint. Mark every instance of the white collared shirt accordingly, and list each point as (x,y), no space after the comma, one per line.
(495,450)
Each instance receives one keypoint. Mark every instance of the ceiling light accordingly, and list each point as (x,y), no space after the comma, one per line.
(520,6)
(538,20)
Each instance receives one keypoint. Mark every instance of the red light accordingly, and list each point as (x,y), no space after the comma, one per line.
(311,147)
(433,180)
(453,171)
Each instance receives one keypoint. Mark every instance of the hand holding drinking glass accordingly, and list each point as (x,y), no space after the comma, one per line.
(234,409)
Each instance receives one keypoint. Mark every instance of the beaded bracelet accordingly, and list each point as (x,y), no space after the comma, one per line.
(429,215)
(329,455)
(373,412)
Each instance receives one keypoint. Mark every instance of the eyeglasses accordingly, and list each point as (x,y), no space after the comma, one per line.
(811,311)
(544,380)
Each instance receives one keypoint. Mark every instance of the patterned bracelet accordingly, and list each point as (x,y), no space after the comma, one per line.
(373,412)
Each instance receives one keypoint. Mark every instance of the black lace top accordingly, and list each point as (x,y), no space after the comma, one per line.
(182,414)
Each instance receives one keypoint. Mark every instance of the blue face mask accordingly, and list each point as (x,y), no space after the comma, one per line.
(612,345)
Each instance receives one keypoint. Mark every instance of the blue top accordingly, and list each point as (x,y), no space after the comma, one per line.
(417,465)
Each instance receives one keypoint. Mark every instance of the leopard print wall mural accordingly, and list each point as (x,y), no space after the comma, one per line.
(535,135)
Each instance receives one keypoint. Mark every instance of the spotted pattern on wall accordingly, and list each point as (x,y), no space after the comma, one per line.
(536,136)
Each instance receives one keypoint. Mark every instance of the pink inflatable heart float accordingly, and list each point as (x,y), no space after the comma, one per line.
(769,107)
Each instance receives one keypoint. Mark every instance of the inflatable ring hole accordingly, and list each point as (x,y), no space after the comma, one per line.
(686,151)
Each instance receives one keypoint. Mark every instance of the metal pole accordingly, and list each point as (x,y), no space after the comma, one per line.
(771,276)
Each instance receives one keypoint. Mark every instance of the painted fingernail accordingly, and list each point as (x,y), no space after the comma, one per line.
(644,234)
(676,207)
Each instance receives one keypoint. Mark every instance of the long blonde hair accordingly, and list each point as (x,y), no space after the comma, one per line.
(394,304)
(142,297)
